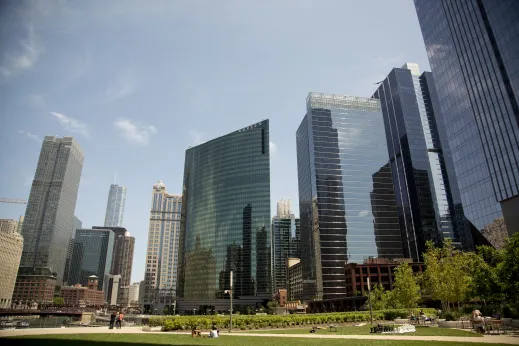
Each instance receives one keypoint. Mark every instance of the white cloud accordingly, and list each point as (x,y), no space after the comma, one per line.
(273,148)
(197,137)
(30,135)
(23,57)
(71,124)
(363,213)
(134,132)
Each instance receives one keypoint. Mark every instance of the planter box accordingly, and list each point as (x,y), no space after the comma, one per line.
(401,321)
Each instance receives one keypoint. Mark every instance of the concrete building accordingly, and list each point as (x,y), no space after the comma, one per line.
(111,288)
(11,246)
(294,279)
(283,208)
(78,295)
(162,252)
(49,217)
(115,206)
(379,270)
(20,224)
(34,284)
(133,296)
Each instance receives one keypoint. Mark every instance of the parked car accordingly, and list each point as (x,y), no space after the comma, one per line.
(7,325)
(22,324)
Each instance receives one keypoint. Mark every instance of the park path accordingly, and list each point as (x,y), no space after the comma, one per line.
(490,339)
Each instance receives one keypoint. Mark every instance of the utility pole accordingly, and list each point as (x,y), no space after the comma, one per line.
(369,298)
(230,316)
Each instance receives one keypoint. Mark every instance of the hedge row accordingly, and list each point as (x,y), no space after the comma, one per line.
(273,321)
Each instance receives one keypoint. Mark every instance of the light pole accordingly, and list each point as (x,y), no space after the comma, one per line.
(230,316)
(370,309)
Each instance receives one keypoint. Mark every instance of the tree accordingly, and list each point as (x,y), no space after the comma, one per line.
(406,291)
(58,301)
(486,284)
(509,269)
(271,306)
(379,297)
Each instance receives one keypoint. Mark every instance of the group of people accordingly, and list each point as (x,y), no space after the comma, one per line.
(117,318)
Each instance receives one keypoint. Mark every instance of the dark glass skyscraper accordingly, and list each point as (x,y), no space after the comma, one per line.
(473,49)
(285,244)
(419,162)
(347,204)
(92,255)
(225,221)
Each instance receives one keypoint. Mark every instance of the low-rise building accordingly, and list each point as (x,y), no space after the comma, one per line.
(294,279)
(78,295)
(34,284)
(378,270)
(281,297)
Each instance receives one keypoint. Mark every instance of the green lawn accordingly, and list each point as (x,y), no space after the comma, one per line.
(365,330)
(186,340)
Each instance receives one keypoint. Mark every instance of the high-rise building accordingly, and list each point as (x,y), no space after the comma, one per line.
(285,243)
(420,163)
(226,220)
(347,204)
(20,224)
(49,217)
(115,206)
(162,254)
(11,245)
(92,255)
(473,47)
(77,225)
(122,261)
(133,296)
(111,289)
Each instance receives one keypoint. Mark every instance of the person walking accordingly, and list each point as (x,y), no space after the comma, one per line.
(112,320)
(120,319)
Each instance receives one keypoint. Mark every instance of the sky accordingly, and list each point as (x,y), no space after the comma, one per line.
(138,82)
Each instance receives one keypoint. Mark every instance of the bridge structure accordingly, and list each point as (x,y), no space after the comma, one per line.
(46,313)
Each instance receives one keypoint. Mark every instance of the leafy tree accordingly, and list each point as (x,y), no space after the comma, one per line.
(406,291)
(57,301)
(271,306)
(379,297)
(486,284)
(509,269)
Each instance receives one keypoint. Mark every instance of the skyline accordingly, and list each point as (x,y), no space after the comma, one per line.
(126,115)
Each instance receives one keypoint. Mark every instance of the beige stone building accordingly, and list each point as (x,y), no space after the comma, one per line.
(11,246)
(496,233)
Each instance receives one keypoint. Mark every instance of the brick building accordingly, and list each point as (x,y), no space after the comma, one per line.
(379,271)
(294,279)
(34,284)
(77,294)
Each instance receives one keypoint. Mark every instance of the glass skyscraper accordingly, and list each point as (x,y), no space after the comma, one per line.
(163,246)
(92,255)
(225,221)
(49,217)
(115,206)
(347,202)
(419,162)
(473,47)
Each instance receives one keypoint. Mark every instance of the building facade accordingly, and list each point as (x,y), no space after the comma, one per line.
(92,255)
(78,295)
(420,163)
(111,287)
(226,219)
(122,261)
(133,296)
(294,279)
(49,217)
(34,285)
(347,204)
(77,225)
(115,206)
(472,48)
(11,246)
(163,247)
(285,244)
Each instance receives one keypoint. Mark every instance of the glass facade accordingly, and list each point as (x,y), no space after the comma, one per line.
(425,204)
(226,219)
(92,255)
(49,218)
(115,206)
(285,244)
(347,203)
(77,225)
(472,48)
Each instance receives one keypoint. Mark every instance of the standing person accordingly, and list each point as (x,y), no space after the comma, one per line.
(120,319)
(112,320)
(117,321)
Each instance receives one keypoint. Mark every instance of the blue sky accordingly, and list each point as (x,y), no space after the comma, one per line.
(137,82)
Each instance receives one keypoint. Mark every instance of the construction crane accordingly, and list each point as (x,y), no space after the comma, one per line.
(11,200)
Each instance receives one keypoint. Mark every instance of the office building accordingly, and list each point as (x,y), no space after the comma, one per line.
(122,261)
(162,253)
(380,271)
(34,284)
(111,286)
(115,206)
(294,279)
(285,243)
(419,162)
(20,224)
(49,217)
(347,204)
(472,47)
(11,246)
(79,295)
(77,225)
(133,296)
(226,221)
(92,255)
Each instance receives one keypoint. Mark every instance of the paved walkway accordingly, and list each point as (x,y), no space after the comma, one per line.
(490,339)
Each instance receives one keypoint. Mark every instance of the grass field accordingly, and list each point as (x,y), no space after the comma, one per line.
(186,340)
(365,330)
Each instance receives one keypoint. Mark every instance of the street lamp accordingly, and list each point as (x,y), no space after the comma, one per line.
(370,309)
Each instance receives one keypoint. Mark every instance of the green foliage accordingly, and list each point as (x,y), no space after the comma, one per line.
(272,321)
(406,291)
(509,269)
(486,284)
(380,298)
(58,301)
(271,306)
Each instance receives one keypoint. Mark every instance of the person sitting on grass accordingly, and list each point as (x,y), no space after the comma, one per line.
(214,332)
